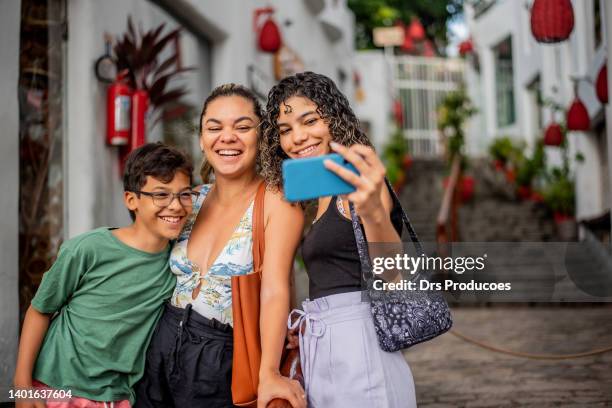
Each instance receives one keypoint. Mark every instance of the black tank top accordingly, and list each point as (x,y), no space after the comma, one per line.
(330,253)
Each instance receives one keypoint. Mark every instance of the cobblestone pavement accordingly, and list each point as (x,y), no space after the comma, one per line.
(450,372)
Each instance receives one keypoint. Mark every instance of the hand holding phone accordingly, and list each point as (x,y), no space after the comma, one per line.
(306,179)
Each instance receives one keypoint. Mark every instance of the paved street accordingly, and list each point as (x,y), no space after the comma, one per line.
(449,372)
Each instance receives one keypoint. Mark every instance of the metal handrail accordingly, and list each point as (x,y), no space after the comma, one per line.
(446,228)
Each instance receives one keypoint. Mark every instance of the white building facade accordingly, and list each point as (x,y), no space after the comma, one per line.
(218,40)
(510,71)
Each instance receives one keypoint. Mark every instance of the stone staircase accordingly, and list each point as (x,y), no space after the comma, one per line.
(422,195)
(494,214)
(518,236)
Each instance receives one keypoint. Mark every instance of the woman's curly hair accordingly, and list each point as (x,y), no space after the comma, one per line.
(332,106)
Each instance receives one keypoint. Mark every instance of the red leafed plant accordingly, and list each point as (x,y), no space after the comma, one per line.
(140,54)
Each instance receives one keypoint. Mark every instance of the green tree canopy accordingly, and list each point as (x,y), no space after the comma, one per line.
(434,14)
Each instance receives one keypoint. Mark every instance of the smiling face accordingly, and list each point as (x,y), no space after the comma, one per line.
(163,223)
(229,136)
(303,133)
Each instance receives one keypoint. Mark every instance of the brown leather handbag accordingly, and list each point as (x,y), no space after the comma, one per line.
(245,310)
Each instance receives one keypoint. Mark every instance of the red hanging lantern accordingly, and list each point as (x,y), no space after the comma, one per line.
(416,30)
(408,45)
(553,135)
(601,86)
(269,39)
(578,116)
(552,21)
(428,49)
(466,47)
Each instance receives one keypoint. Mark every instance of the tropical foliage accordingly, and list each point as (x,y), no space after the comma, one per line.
(454,110)
(434,14)
(140,53)
(394,155)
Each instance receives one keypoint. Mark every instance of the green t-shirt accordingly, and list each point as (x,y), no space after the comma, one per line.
(109,297)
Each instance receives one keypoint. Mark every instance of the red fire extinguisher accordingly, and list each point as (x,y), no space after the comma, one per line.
(118,111)
(137,135)
(140,105)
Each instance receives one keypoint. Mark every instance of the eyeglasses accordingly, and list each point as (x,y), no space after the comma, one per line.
(163,199)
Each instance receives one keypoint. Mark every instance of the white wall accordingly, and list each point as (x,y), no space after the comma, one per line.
(506,19)
(556,65)
(234,48)
(376,83)
(553,63)
(93,182)
(590,200)
(92,174)
(9,172)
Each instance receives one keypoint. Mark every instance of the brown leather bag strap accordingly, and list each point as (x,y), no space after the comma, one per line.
(258,228)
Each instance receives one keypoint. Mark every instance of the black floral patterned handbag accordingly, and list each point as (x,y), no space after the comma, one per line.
(402,318)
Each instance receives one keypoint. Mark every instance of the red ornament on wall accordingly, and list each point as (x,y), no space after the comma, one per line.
(601,86)
(269,37)
(428,49)
(578,116)
(408,45)
(466,47)
(553,135)
(552,21)
(416,30)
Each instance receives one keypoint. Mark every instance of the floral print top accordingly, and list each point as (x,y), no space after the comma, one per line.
(215,298)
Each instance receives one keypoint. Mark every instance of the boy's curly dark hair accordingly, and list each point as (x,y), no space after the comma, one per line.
(157,160)
(332,106)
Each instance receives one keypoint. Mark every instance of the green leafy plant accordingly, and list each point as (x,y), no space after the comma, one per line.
(454,110)
(559,193)
(393,155)
(434,14)
(505,150)
(139,52)
(530,167)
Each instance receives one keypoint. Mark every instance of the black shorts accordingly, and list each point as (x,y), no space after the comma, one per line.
(188,363)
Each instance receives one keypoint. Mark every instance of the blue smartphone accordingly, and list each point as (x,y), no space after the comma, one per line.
(305,179)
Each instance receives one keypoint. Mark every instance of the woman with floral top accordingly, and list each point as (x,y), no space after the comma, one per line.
(189,361)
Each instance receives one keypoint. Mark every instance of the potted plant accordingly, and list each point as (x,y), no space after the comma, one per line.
(454,110)
(139,53)
(395,154)
(506,153)
(527,169)
(559,197)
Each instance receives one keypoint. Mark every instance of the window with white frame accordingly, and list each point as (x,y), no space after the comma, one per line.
(534,90)
(597,23)
(504,83)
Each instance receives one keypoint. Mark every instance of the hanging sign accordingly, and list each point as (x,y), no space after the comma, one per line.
(388,36)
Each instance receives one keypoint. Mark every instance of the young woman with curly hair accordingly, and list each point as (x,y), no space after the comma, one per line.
(308,116)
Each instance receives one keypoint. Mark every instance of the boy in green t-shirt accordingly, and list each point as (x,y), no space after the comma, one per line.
(107,287)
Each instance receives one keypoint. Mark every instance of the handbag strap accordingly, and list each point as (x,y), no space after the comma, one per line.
(362,244)
(258,228)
